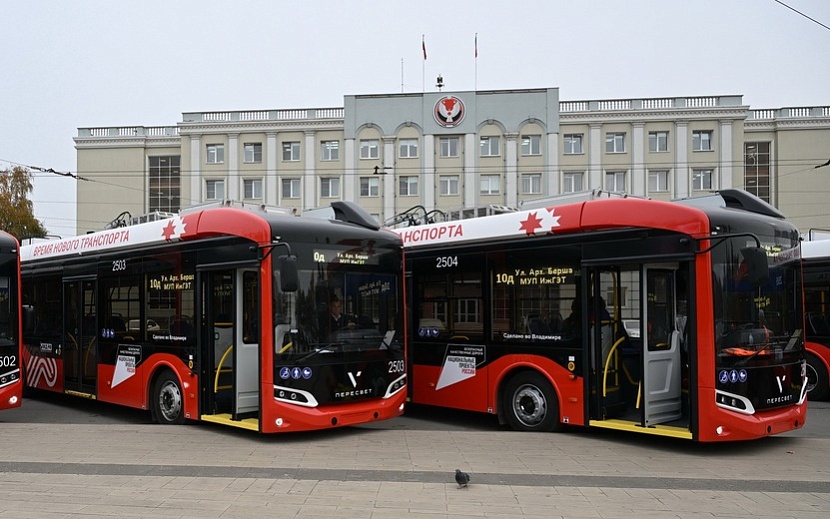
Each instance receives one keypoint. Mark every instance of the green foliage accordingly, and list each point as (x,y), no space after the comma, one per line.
(16,210)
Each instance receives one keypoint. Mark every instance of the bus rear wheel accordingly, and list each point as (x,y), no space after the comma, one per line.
(168,404)
(530,403)
(818,384)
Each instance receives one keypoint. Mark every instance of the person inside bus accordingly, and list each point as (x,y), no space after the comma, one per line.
(334,319)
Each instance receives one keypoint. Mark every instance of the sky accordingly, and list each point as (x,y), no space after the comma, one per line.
(85,63)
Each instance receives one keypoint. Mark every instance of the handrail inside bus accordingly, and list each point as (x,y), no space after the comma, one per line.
(219,368)
(607,362)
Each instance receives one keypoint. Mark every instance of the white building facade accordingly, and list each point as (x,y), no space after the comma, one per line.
(444,151)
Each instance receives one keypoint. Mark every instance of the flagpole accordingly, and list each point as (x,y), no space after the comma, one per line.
(423,65)
(475,74)
(401,75)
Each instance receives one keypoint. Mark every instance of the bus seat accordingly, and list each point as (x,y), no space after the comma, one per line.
(281,332)
(536,325)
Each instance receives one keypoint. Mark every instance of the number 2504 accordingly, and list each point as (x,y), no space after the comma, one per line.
(442,262)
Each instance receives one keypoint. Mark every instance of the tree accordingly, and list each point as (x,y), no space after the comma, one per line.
(16,210)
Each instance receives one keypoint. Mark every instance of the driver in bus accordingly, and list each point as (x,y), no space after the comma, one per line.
(335,320)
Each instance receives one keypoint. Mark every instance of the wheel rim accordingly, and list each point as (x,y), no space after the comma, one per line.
(529,405)
(812,378)
(170,401)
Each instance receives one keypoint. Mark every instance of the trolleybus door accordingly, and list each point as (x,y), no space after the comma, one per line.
(80,334)
(661,341)
(231,343)
(634,342)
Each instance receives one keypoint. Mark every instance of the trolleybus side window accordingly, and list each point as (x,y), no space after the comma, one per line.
(532,295)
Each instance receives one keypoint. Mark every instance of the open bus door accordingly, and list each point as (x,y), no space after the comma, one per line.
(80,336)
(635,345)
(230,347)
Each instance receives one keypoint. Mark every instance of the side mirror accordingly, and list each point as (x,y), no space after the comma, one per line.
(757,267)
(289,275)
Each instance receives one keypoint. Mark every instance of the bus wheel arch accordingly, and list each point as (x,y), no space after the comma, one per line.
(818,381)
(529,402)
(167,398)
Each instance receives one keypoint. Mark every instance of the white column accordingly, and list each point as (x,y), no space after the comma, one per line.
(726,151)
(681,160)
(389,176)
(351,176)
(552,176)
(310,198)
(428,165)
(195,170)
(511,169)
(638,175)
(233,167)
(595,158)
(272,184)
(471,187)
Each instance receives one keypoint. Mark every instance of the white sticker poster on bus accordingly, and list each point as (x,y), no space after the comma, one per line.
(460,363)
(125,363)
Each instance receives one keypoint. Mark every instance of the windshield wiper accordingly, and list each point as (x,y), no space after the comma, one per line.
(329,348)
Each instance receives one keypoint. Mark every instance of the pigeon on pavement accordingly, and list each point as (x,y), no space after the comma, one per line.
(462,478)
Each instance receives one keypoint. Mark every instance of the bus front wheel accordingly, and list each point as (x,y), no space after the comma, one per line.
(530,403)
(168,404)
(818,384)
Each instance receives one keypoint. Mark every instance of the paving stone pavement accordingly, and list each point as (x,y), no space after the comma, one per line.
(203,471)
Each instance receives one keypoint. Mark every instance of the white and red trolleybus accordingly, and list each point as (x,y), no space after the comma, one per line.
(11,384)
(221,314)
(679,319)
(816,261)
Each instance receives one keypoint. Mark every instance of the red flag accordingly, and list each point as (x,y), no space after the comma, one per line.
(476,44)
(424,47)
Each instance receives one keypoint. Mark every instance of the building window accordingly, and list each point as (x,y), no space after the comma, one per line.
(756,169)
(408,185)
(702,179)
(370,186)
(408,148)
(448,147)
(253,152)
(164,183)
(291,188)
(490,147)
(615,181)
(369,149)
(531,145)
(215,189)
(252,187)
(532,184)
(448,185)
(702,140)
(572,144)
(330,187)
(215,153)
(615,143)
(572,183)
(658,141)
(291,151)
(658,180)
(490,184)
(330,150)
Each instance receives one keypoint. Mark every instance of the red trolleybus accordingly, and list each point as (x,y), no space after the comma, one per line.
(221,314)
(679,319)
(11,384)
(816,261)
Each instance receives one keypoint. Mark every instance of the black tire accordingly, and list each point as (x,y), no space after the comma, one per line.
(818,383)
(530,404)
(168,401)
